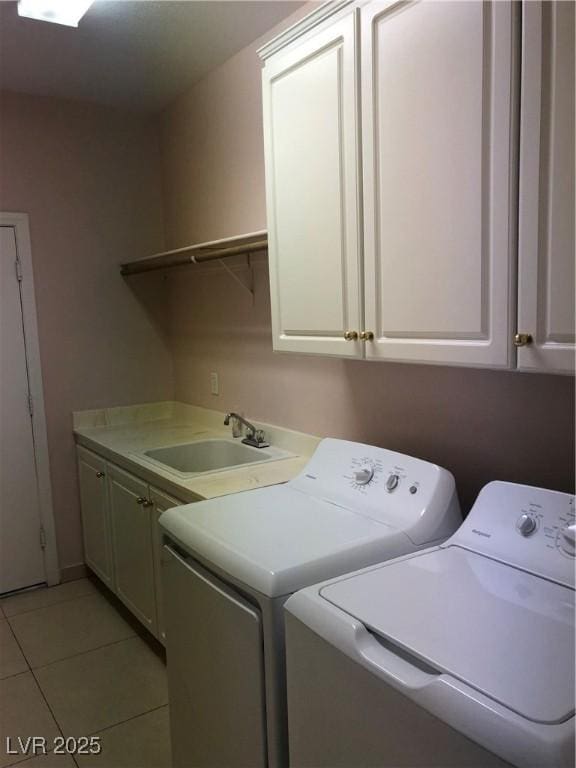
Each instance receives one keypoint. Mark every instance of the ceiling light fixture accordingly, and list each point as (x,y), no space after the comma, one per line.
(67,12)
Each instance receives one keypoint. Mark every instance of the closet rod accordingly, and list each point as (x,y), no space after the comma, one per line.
(197,254)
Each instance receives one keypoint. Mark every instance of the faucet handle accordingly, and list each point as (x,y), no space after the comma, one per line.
(256,438)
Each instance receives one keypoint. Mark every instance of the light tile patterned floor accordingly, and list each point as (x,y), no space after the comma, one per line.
(73,664)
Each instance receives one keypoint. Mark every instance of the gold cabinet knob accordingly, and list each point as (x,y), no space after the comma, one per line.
(351,335)
(367,336)
(100,474)
(522,339)
(141,500)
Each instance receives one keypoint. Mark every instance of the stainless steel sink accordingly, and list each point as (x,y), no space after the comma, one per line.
(211,455)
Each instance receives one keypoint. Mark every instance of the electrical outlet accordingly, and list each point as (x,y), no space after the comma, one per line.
(214,384)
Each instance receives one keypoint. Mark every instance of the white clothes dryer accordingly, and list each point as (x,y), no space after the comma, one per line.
(231,563)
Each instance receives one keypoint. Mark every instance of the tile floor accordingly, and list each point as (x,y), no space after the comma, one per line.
(74,663)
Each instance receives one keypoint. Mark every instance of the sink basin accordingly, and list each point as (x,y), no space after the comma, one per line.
(211,455)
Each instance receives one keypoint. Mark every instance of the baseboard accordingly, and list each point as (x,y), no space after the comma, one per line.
(73,572)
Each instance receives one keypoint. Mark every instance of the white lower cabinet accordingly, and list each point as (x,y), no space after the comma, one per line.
(122,540)
(132,545)
(95,515)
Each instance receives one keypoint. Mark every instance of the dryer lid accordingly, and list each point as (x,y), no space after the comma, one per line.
(504,632)
(277,540)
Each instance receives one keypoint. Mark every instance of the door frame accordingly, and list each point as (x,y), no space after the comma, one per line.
(21,226)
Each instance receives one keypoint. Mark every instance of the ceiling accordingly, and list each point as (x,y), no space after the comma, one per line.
(137,54)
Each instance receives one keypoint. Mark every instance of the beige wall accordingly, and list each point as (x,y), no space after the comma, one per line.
(482,425)
(89,179)
(212,151)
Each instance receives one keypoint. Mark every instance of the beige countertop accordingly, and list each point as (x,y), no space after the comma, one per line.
(122,435)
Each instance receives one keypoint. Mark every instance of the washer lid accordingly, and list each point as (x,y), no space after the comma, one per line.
(503,631)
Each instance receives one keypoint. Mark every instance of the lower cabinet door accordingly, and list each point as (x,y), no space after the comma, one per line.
(132,544)
(160,503)
(95,515)
(215,672)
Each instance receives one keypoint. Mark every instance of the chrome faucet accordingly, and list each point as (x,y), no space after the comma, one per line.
(254,437)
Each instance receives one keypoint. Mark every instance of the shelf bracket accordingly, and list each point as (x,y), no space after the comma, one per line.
(248,284)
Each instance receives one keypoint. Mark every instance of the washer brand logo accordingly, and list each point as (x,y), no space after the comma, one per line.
(482,533)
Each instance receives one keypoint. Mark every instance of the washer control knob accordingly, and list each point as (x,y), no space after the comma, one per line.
(392,482)
(569,535)
(526,524)
(364,475)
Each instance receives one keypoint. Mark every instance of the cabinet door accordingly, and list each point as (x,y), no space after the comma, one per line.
(311,150)
(95,515)
(546,235)
(160,503)
(132,544)
(437,120)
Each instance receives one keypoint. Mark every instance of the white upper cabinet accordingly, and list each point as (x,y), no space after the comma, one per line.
(437,97)
(546,232)
(418,197)
(310,133)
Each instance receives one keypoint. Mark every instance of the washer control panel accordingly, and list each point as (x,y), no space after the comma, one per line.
(375,471)
(532,528)
(391,488)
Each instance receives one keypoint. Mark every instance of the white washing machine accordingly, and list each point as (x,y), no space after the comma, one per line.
(231,563)
(461,655)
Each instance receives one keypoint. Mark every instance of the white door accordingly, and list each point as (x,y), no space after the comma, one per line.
(546,235)
(21,554)
(437,98)
(132,544)
(95,514)
(311,150)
